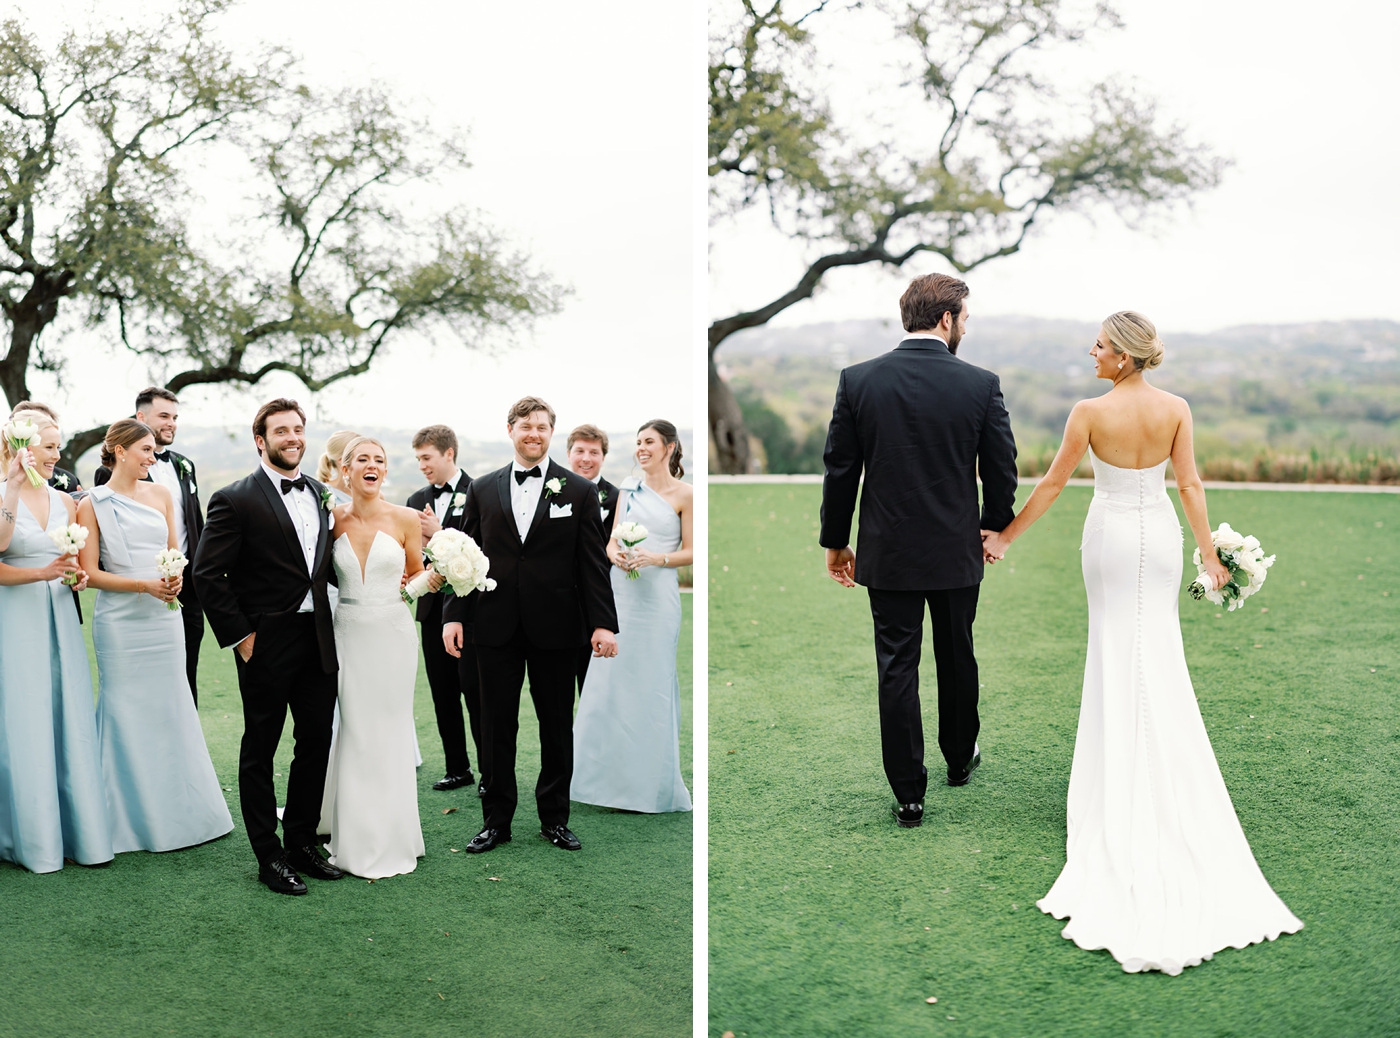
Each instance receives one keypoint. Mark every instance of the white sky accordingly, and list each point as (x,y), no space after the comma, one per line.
(1304,99)
(581,154)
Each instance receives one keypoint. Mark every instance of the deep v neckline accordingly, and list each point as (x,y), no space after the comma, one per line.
(365,561)
(44,526)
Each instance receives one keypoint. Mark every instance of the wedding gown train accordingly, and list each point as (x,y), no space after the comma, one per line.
(1158,870)
(370,806)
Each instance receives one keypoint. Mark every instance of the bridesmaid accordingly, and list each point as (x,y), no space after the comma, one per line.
(161,789)
(627,732)
(51,801)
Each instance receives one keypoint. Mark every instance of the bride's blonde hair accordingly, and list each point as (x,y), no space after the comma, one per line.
(1132,333)
(42,420)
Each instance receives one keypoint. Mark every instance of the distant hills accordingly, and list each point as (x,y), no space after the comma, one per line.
(1328,387)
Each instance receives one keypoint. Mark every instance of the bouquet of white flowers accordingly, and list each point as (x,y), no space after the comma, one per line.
(630,534)
(69,540)
(20,435)
(457,557)
(1246,562)
(171,563)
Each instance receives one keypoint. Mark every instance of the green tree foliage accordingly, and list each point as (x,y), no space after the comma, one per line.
(101,139)
(1004,152)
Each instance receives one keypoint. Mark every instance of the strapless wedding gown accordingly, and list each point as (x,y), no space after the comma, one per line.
(1157,868)
(370,806)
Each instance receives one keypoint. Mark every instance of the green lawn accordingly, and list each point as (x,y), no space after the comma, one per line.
(825,919)
(527,940)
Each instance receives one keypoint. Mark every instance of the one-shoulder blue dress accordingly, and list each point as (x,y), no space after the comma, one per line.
(162,792)
(51,801)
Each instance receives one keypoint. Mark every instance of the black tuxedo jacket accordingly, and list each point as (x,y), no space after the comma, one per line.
(453,519)
(607,508)
(554,583)
(250,567)
(922,424)
(189,495)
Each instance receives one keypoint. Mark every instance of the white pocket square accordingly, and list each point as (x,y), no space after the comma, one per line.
(560,511)
(605,512)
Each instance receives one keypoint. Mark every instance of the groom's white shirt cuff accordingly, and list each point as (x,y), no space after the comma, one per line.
(301,506)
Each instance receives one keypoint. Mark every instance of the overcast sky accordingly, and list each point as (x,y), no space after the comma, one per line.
(581,154)
(1304,99)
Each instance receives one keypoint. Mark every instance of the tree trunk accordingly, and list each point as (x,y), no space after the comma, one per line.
(728,434)
(28,317)
(79,444)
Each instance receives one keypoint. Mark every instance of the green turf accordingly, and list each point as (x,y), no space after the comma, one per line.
(527,940)
(825,919)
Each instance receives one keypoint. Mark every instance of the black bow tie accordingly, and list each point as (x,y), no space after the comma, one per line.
(299,483)
(521,475)
(162,455)
(446,488)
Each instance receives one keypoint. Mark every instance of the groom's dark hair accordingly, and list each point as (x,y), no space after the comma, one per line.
(928,298)
(150,394)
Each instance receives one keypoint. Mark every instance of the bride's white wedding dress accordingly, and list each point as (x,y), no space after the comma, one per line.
(1158,870)
(371,801)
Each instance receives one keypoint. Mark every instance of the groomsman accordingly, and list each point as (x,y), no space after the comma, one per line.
(538,524)
(160,409)
(61,479)
(588,448)
(441,504)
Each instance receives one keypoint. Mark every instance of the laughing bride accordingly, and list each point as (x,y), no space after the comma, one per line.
(371,799)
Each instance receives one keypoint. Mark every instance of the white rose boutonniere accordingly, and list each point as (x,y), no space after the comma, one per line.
(186,467)
(458,500)
(61,481)
(552,487)
(327,499)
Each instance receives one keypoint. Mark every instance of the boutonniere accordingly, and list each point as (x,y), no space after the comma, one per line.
(602,496)
(61,481)
(553,486)
(186,467)
(327,499)
(458,500)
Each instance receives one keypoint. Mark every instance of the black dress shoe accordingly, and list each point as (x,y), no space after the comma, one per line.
(959,778)
(309,861)
(281,877)
(454,781)
(909,816)
(487,839)
(560,836)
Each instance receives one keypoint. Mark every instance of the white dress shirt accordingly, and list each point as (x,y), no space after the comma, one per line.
(303,508)
(444,501)
(524,497)
(924,335)
(163,472)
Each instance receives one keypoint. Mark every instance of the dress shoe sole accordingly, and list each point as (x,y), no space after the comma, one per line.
(904,824)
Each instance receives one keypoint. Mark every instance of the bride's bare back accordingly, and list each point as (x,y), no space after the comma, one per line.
(1135,425)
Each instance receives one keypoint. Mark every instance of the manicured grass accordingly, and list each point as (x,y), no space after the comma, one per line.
(825,919)
(526,940)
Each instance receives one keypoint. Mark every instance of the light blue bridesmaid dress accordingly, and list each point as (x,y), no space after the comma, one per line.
(51,800)
(162,792)
(627,732)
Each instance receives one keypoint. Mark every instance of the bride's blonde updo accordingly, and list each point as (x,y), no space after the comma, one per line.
(1132,333)
(42,420)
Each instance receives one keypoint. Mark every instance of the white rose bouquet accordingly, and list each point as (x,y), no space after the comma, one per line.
(20,435)
(630,534)
(69,540)
(171,563)
(1245,560)
(461,562)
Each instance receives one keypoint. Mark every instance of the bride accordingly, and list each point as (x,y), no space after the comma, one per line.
(1158,870)
(371,801)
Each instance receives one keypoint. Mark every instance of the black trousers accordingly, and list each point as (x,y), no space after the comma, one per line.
(452,680)
(584,655)
(899,632)
(284,673)
(552,672)
(193,617)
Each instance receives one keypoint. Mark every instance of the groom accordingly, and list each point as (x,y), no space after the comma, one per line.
(923,425)
(262,567)
(538,525)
